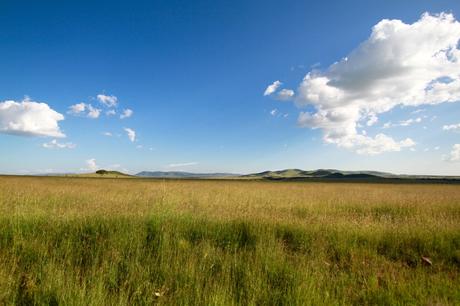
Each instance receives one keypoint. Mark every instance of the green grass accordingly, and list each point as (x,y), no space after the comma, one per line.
(78,241)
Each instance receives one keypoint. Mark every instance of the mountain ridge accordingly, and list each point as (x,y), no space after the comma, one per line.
(298,174)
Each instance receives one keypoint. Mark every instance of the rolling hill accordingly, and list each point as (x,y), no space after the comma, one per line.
(320,173)
(337,175)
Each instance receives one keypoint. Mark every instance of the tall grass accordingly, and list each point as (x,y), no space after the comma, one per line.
(75,241)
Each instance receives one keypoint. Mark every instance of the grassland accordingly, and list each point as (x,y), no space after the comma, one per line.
(89,241)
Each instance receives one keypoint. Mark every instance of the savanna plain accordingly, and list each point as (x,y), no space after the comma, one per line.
(91,241)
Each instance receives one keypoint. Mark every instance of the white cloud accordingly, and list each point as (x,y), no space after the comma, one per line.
(54,144)
(131,134)
(182,164)
(29,118)
(93,112)
(273,112)
(285,94)
(77,108)
(454,155)
(107,134)
(372,120)
(80,109)
(403,123)
(387,125)
(418,111)
(272,88)
(410,121)
(111,112)
(399,64)
(109,101)
(126,113)
(453,127)
(91,165)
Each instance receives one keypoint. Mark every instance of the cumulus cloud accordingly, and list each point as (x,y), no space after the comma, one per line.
(131,134)
(285,94)
(126,113)
(451,127)
(77,108)
(83,109)
(109,101)
(54,144)
(282,95)
(29,118)
(93,112)
(399,64)
(372,120)
(454,155)
(91,165)
(273,112)
(272,88)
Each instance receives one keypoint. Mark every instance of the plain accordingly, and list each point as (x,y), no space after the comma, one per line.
(89,241)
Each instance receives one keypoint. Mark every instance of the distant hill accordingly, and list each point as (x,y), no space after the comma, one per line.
(320,173)
(333,174)
(181,174)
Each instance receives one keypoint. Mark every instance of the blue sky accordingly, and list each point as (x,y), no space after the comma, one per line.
(194,74)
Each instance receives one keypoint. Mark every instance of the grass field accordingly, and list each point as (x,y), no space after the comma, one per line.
(89,241)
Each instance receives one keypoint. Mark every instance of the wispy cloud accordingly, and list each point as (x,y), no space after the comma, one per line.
(54,144)
(176,165)
(451,127)
(131,134)
(410,121)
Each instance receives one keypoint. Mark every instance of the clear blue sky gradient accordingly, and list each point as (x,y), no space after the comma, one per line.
(194,73)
